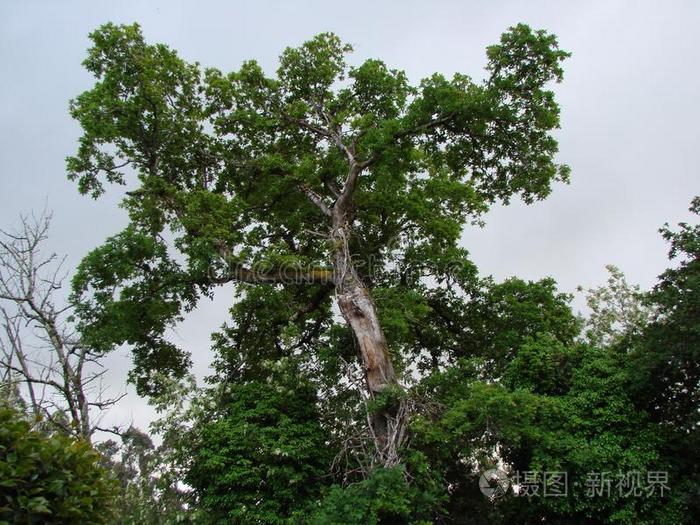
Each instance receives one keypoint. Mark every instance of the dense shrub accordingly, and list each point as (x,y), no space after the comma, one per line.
(49,478)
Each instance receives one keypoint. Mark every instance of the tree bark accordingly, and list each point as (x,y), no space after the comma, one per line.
(359,312)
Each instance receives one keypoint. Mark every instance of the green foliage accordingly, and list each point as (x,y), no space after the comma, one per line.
(665,359)
(387,400)
(587,424)
(223,164)
(146,495)
(262,457)
(544,365)
(115,307)
(384,498)
(667,356)
(265,327)
(499,318)
(50,478)
(524,391)
(226,172)
(618,310)
(556,404)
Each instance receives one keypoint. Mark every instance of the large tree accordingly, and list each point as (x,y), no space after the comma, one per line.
(323,181)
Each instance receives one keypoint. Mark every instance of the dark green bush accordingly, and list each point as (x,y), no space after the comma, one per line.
(49,478)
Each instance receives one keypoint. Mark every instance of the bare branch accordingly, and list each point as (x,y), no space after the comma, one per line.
(51,365)
(316,199)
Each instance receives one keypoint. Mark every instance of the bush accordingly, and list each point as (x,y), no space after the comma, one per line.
(49,478)
(264,459)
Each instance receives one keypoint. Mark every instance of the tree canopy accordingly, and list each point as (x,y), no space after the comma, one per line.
(285,179)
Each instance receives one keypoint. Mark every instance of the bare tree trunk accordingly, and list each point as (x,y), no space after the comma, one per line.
(358,310)
(388,427)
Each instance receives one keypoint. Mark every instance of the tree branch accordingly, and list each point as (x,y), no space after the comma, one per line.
(316,199)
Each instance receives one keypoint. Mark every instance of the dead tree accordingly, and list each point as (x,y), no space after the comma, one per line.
(41,355)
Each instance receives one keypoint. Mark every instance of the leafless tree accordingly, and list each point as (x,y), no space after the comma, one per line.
(41,354)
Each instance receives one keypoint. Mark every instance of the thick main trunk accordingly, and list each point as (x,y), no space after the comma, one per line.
(387,426)
(358,310)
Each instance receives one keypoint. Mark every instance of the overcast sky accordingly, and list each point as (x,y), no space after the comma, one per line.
(630,120)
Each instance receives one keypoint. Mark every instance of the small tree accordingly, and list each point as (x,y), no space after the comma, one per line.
(618,310)
(146,494)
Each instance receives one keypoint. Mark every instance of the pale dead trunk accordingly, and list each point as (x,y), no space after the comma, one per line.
(358,310)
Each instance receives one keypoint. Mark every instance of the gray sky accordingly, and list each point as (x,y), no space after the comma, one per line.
(630,114)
